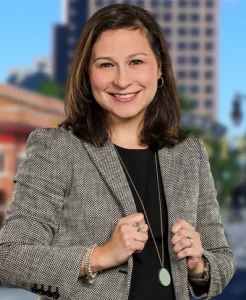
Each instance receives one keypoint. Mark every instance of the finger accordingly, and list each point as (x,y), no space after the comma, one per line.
(137,217)
(138,246)
(182,244)
(132,219)
(140,237)
(188,252)
(181,234)
(179,224)
(143,227)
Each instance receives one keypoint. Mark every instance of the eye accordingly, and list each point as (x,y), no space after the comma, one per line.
(136,62)
(105,65)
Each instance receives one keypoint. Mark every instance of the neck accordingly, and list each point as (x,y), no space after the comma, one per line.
(126,135)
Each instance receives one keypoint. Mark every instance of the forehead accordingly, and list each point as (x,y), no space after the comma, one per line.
(121,40)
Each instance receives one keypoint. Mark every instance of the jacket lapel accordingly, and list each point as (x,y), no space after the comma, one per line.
(172,171)
(173,179)
(108,165)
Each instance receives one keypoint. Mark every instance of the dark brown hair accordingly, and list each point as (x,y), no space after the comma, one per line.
(87,119)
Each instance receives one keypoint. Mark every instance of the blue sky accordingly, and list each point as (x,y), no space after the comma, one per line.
(26,32)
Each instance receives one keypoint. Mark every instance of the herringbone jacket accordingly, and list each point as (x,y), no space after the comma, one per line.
(69,195)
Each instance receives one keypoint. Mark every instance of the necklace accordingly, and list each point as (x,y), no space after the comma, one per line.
(164,276)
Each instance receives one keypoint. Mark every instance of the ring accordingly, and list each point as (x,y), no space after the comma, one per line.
(191,241)
(138,226)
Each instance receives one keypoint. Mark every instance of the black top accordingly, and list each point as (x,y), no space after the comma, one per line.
(145,285)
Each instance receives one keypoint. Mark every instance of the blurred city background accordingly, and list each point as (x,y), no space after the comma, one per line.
(207,44)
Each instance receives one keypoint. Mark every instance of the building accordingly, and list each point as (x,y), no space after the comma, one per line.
(31,78)
(21,112)
(191,30)
(66,35)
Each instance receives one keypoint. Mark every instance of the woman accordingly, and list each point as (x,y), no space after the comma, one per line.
(116,203)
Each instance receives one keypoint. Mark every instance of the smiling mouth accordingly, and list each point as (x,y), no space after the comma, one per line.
(124,96)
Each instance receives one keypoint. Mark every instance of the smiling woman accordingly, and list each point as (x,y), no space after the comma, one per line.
(117,56)
(118,202)
(125,82)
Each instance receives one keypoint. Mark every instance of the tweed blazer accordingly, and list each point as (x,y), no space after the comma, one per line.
(69,195)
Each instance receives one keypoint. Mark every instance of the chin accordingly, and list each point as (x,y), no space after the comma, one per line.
(128,116)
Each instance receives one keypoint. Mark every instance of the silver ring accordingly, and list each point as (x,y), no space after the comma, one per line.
(191,241)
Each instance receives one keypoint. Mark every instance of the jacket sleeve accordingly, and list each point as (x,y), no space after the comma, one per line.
(209,225)
(27,257)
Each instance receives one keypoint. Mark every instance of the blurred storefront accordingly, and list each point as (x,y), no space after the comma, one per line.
(21,112)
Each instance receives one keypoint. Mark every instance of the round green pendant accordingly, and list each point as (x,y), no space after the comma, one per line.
(164,277)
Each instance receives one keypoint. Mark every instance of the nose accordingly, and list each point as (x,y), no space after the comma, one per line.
(122,79)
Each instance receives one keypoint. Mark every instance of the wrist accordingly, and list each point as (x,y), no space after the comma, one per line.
(100,259)
(199,271)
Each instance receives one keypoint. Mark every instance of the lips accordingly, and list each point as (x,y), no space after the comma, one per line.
(124,97)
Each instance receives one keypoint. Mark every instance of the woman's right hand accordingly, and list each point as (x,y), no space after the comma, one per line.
(125,240)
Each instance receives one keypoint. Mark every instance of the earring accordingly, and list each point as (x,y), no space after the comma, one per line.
(162,82)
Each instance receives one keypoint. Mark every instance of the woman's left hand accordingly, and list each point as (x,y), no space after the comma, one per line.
(187,243)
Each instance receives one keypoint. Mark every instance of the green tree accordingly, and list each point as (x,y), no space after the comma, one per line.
(224,166)
(51,88)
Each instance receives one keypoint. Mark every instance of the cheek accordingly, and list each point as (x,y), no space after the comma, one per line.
(149,75)
(98,80)
(95,80)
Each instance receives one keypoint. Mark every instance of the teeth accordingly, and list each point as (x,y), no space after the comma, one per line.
(124,96)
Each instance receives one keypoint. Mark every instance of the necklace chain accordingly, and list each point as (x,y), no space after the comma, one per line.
(157,178)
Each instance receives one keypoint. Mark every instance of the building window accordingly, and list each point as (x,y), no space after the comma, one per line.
(209,17)
(195,31)
(182,3)
(99,3)
(169,45)
(2,162)
(209,60)
(194,74)
(182,60)
(72,40)
(140,2)
(209,74)
(195,17)
(195,60)
(194,46)
(182,17)
(209,89)
(182,31)
(208,103)
(72,26)
(167,17)
(210,3)
(156,15)
(181,89)
(182,45)
(194,89)
(181,74)
(209,46)
(194,103)
(167,3)
(209,31)
(167,31)
(195,3)
(155,3)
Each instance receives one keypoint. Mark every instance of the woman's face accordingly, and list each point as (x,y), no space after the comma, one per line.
(123,73)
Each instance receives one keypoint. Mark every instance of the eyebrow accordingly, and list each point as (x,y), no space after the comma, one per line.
(111,58)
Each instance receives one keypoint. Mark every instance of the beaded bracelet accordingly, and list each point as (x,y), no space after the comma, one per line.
(87,264)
